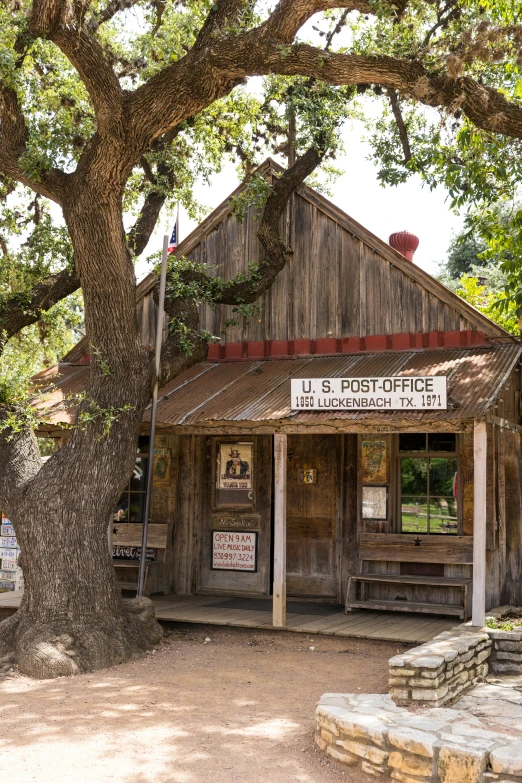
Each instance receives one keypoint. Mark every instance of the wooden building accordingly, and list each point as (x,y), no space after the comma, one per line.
(418,510)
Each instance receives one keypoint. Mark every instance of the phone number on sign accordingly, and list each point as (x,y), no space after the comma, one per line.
(234,551)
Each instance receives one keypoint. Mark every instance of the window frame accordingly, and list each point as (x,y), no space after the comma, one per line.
(427,455)
(128,491)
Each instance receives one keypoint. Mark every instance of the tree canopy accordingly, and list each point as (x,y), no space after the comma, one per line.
(73,76)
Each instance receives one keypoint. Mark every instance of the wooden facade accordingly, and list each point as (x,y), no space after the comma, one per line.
(343,290)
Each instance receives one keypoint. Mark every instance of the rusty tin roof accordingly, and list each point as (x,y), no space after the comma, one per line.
(251,391)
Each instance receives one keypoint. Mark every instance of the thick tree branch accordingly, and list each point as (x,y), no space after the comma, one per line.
(486,107)
(141,231)
(401,125)
(21,310)
(58,22)
(13,141)
(224,13)
(289,16)
(173,95)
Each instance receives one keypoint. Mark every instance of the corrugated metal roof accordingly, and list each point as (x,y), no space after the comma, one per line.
(259,391)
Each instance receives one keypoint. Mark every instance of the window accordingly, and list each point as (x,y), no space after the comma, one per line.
(428,492)
(131,505)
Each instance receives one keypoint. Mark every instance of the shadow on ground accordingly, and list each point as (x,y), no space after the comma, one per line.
(239,707)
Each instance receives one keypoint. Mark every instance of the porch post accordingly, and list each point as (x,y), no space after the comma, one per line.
(479,523)
(279,592)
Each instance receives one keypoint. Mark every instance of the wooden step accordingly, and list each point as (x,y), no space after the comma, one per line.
(407,606)
(435,581)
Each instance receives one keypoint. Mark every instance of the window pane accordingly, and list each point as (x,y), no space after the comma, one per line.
(443,476)
(414,516)
(414,476)
(139,476)
(137,503)
(442,441)
(412,441)
(143,444)
(443,515)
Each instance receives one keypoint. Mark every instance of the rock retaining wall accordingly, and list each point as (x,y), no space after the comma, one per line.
(441,669)
(506,653)
(372,733)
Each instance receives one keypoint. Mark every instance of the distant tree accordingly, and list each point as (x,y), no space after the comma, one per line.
(463,256)
(483,294)
(475,247)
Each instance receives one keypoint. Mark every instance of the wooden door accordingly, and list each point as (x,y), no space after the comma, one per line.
(311,516)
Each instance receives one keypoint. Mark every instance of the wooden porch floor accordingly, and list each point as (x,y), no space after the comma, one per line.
(363,624)
(213,610)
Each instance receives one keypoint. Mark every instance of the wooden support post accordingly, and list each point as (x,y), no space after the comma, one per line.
(279,594)
(479,523)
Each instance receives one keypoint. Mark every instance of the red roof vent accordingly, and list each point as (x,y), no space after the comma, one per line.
(405,243)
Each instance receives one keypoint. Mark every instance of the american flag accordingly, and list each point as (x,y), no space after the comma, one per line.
(173,241)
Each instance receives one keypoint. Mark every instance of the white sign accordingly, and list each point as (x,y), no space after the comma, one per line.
(233,551)
(393,393)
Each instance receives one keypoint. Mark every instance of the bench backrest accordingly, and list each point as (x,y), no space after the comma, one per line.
(130,534)
(416,549)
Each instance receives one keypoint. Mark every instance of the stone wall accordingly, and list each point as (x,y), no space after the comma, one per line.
(506,653)
(441,669)
(371,732)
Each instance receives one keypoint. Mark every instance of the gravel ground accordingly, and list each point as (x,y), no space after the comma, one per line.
(239,707)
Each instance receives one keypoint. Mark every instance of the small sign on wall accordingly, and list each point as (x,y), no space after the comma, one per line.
(162,459)
(234,551)
(236,522)
(307,476)
(373,461)
(374,502)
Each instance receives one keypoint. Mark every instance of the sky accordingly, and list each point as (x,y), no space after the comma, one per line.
(382,210)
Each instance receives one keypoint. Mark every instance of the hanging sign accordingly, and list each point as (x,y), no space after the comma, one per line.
(392,393)
(234,551)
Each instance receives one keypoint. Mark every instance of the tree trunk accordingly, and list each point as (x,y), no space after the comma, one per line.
(72,617)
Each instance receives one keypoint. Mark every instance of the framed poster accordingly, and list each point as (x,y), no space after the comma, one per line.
(373,462)
(234,551)
(235,466)
(161,463)
(374,502)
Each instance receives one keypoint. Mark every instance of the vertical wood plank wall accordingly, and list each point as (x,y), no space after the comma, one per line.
(323,290)
(335,285)
(189,513)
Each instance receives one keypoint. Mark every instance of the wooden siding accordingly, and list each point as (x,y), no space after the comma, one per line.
(335,285)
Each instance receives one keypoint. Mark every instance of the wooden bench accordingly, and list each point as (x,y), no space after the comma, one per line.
(450,550)
(128,535)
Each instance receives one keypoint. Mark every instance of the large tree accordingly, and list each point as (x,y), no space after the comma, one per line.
(93,99)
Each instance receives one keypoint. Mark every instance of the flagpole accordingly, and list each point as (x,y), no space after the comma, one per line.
(159,340)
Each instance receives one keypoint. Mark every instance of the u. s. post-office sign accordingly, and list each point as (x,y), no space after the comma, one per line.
(391,393)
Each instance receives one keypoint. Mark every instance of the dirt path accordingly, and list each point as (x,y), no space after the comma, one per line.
(237,708)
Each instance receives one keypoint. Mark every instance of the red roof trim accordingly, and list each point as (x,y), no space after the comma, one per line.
(328,346)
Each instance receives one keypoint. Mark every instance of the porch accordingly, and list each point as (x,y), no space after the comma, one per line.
(306,617)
